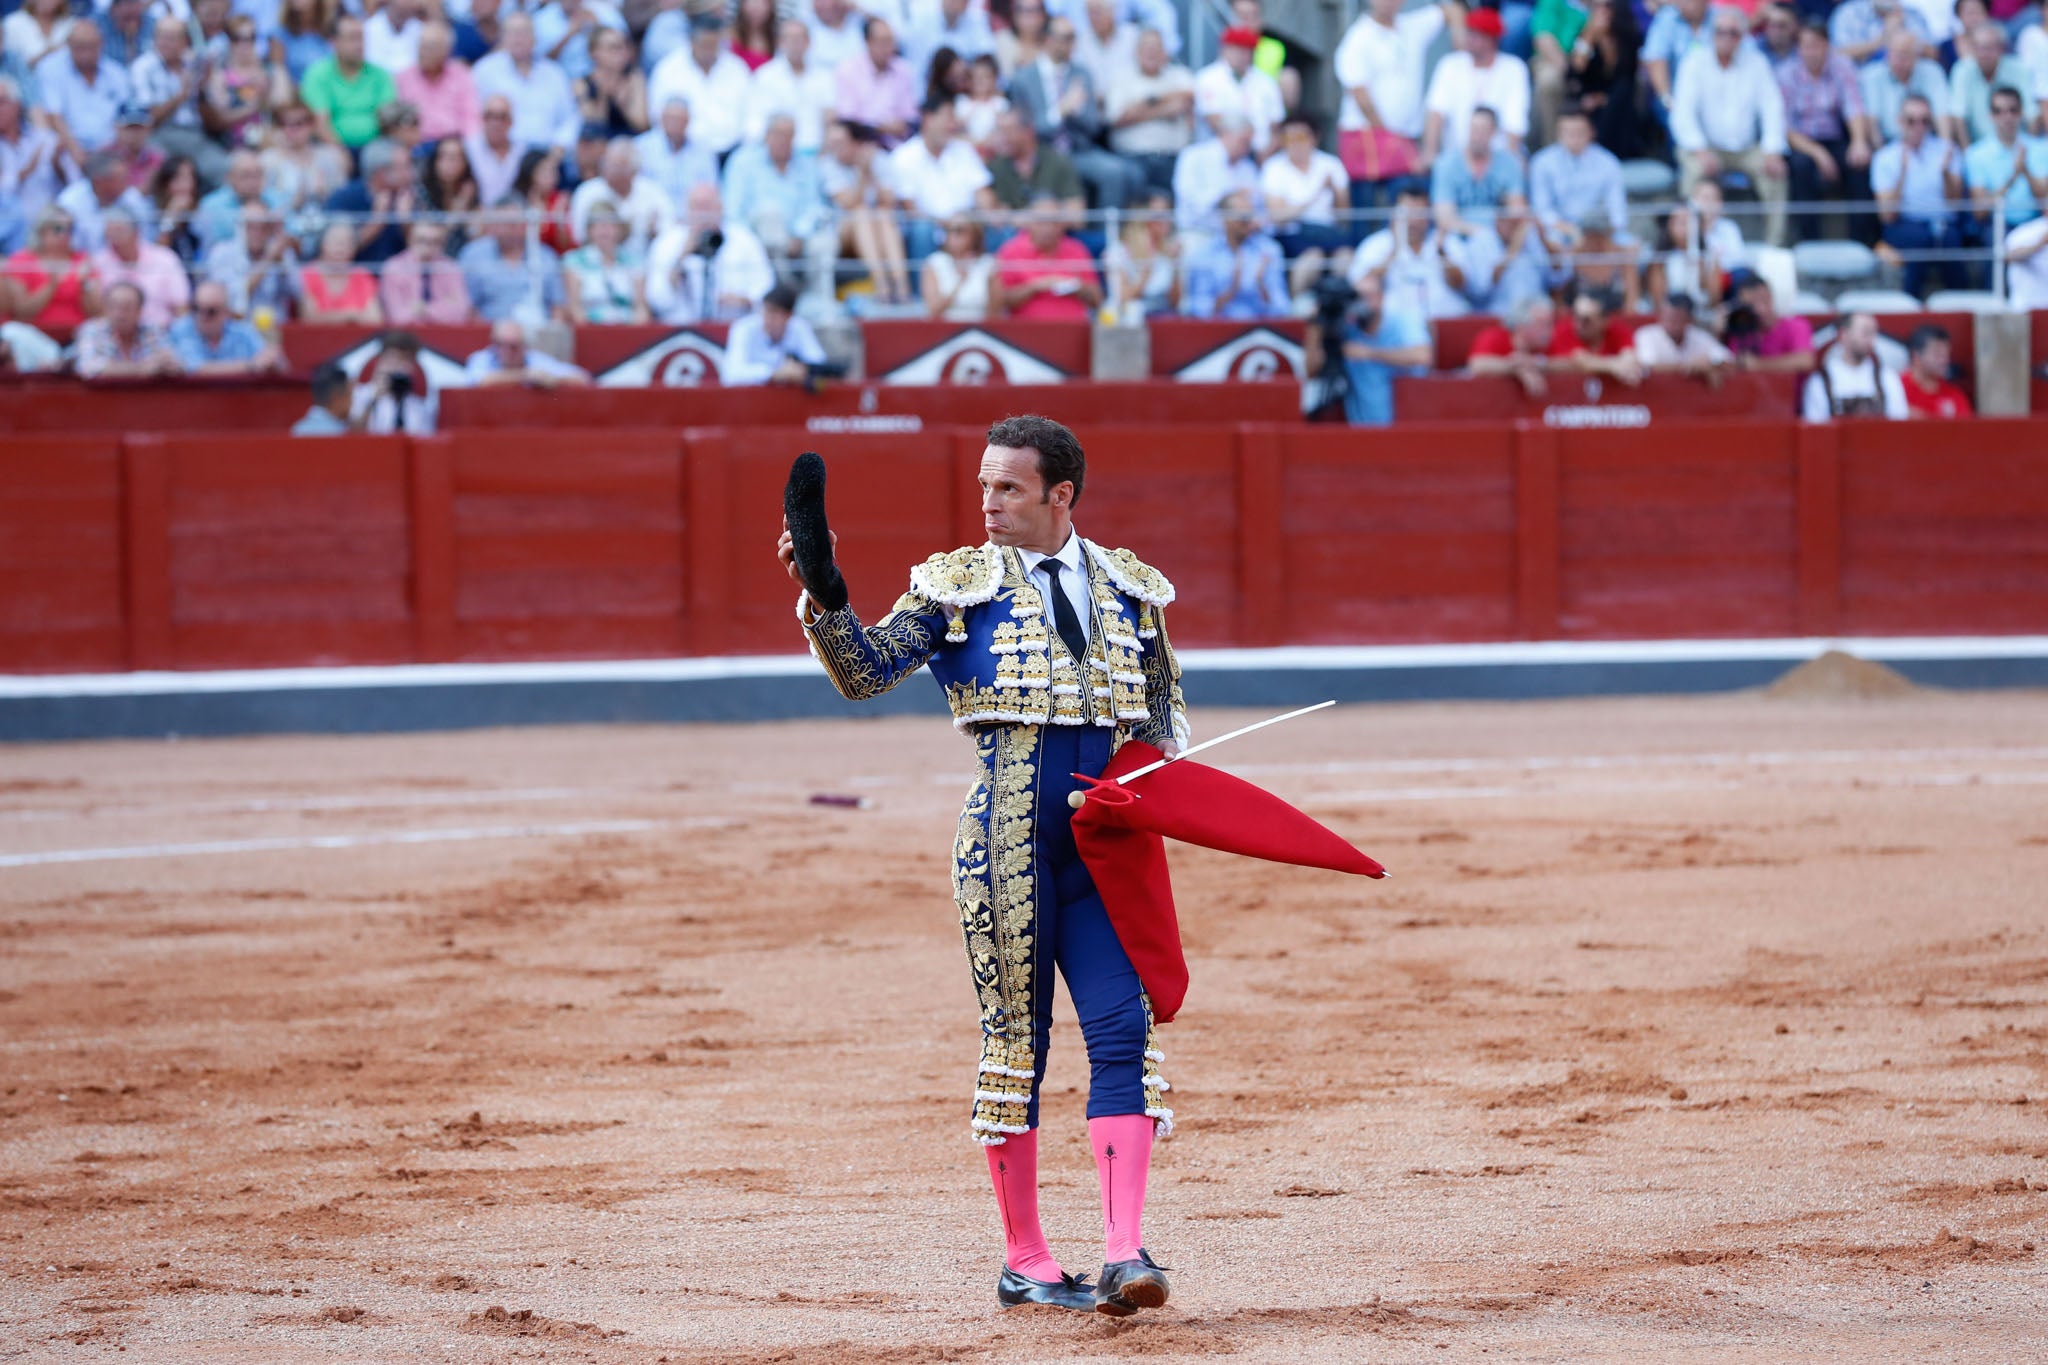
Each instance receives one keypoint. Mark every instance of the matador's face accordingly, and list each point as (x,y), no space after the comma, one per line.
(1015,507)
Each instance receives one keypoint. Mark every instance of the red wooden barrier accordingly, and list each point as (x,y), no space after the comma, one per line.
(60,554)
(1571,401)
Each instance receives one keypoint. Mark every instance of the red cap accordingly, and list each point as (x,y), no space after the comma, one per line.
(1241,37)
(1485,21)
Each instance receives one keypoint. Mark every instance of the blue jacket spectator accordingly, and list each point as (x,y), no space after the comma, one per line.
(1575,177)
(1239,274)
(508,277)
(1468,185)
(210,340)
(1379,345)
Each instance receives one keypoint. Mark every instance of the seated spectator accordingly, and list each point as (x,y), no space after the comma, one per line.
(104,186)
(1904,72)
(1232,88)
(1851,381)
(1210,171)
(299,40)
(509,360)
(131,143)
(936,176)
(1675,344)
(297,167)
(1105,44)
(37,29)
(1023,42)
(956,24)
(383,200)
(1988,67)
(393,394)
(1602,75)
(1602,265)
(120,345)
(219,213)
(775,192)
(1576,177)
(1150,112)
(334,288)
(1237,274)
(333,397)
(29,174)
(1824,128)
(1063,104)
(753,32)
(2006,171)
(1043,273)
(449,188)
(1481,74)
(1269,55)
(544,112)
(945,78)
(494,155)
(1676,31)
(1858,28)
(706,266)
(603,278)
(1760,337)
(710,80)
(1915,178)
(567,31)
(1525,345)
(1419,270)
(1929,386)
(1023,169)
(954,281)
(154,270)
(982,105)
(174,197)
(211,341)
(1727,114)
(169,83)
(2026,266)
(836,33)
(539,187)
(50,283)
(613,92)
(1512,260)
(771,345)
(1378,344)
(345,91)
(853,173)
(1554,28)
(1674,268)
(878,88)
(509,277)
(440,87)
(1469,184)
(638,201)
(793,83)
(1380,65)
(391,36)
(1605,343)
(82,92)
(1304,189)
(258,266)
(127,30)
(421,284)
(670,159)
(24,350)
(1143,265)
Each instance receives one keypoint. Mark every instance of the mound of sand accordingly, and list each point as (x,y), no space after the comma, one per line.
(1840,676)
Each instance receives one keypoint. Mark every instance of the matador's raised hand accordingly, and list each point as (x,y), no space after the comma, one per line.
(810,541)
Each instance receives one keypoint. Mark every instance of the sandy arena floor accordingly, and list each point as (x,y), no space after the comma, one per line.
(1701,1025)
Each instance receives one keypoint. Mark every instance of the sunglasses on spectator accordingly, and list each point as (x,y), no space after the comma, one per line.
(209,310)
(1915,120)
(2007,108)
(497,115)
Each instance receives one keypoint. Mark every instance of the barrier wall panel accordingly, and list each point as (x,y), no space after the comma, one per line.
(891,500)
(287,561)
(568,544)
(1694,533)
(60,554)
(1408,539)
(1944,538)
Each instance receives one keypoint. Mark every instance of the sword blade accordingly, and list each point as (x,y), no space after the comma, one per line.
(1134,775)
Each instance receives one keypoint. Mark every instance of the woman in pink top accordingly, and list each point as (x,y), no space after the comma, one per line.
(1044,274)
(334,288)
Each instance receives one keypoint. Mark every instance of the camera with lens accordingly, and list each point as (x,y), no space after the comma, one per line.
(709,244)
(1333,296)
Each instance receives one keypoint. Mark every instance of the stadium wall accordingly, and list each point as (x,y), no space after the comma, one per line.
(227,550)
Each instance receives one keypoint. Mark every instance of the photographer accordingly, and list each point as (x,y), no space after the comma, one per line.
(331,413)
(706,267)
(772,346)
(393,395)
(1377,344)
(1759,337)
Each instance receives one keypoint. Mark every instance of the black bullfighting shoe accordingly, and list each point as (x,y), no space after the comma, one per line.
(1127,1286)
(1021,1291)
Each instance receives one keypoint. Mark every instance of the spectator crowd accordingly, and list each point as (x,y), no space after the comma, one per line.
(178,177)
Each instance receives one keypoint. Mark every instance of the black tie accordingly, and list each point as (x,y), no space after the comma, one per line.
(1063,618)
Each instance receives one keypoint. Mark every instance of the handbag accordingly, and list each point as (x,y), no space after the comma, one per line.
(1375,154)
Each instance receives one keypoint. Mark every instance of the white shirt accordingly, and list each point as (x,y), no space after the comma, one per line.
(751,358)
(394,49)
(1073,583)
(1654,346)
(32,350)
(1730,108)
(1414,278)
(717,98)
(739,269)
(544,112)
(2026,281)
(1871,378)
(495,175)
(1156,136)
(806,96)
(1255,99)
(1106,63)
(1388,62)
(676,170)
(1459,87)
(941,185)
(645,207)
(485,363)
(1202,176)
(831,46)
(1312,190)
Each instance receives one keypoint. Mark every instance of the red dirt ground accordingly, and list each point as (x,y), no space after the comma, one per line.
(1706,1026)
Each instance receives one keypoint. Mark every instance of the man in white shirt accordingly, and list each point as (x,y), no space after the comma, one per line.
(1851,381)
(1380,64)
(168,81)
(836,33)
(544,112)
(1232,87)
(1480,75)
(509,360)
(1207,173)
(494,154)
(936,175)
(771,345)
(1728,114)
(793,84)
(713,82)
(933,24)
(642,203)
(2026,265)
(670,158)
(1420,270)
(1104,47)
(1675,344)
(1304,189)
(1150,111)
(391,36)
(705,266)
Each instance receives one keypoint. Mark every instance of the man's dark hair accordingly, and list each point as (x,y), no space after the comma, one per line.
(781,296)
(401,341)
(934,102)
(1574,109)
(328,380)
(1059,454)
(2009,93)
(1817,28)
(1925,335)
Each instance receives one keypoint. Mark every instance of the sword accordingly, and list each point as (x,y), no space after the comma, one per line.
(1135,774)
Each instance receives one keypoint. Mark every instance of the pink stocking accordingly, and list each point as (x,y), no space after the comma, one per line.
(1013,1167)
(1123,1157)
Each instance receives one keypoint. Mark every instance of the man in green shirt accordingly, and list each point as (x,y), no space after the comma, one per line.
(1552,31)
(1024,168)
(344,91)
